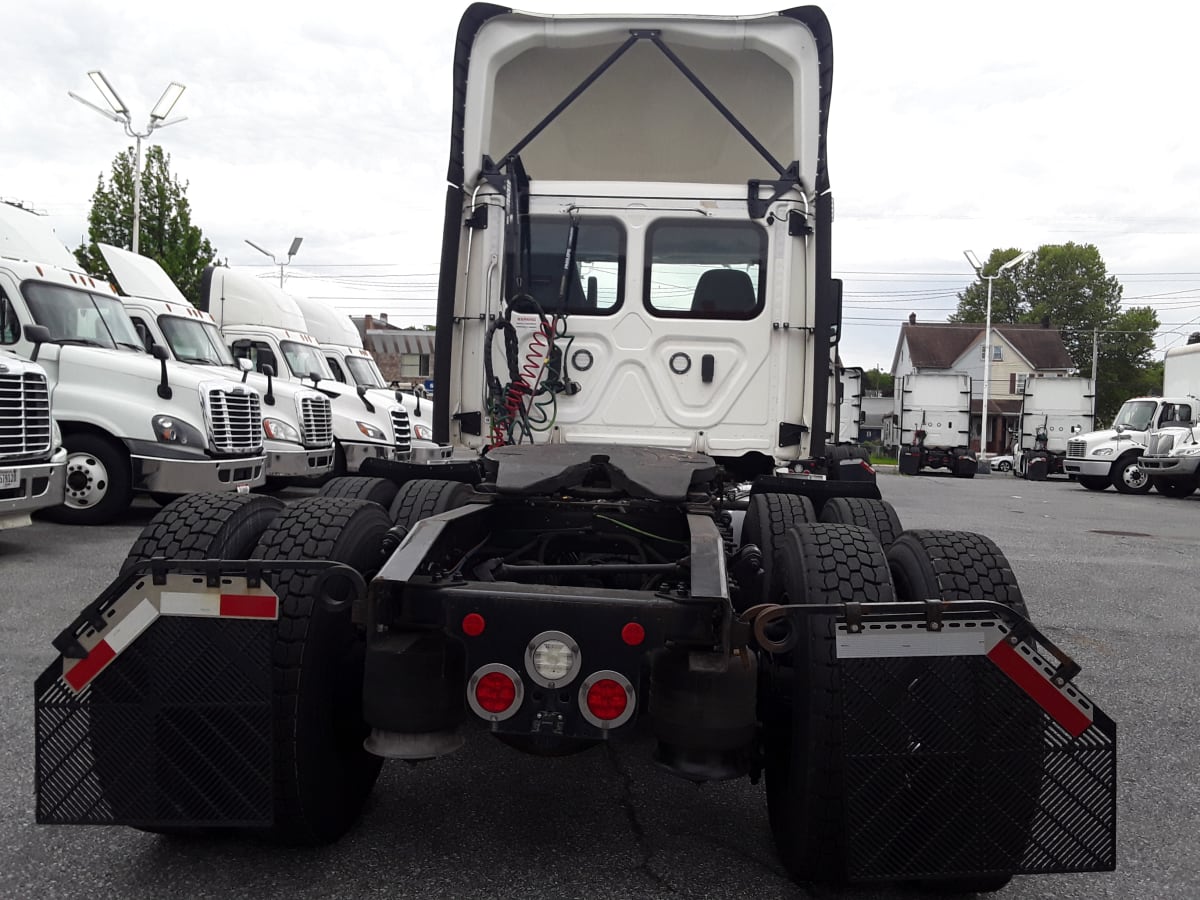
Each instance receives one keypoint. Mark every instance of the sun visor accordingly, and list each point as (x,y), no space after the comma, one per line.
(140,276)
(28,236)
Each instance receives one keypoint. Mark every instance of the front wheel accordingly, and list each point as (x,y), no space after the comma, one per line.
(99,487)
(1094,482)
(1129,477)
(1004,466)
(1174,487)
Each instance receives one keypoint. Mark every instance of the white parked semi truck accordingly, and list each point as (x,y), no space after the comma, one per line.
(130,422)
(1113,456)
(297,420)
(601,566)
(930,423)
(1053,411)
(33,461)
(352,365)
(1172,457)
(263,324)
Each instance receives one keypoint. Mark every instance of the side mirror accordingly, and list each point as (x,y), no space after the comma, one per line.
(36,335)
(158,351)
(267,369)
(244,364)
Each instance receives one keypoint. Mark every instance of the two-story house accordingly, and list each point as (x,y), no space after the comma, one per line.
(1019,352)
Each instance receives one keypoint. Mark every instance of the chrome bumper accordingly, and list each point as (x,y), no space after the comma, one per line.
(1100,468)
(428,452)
(186,476)
(39,485)
(1170,465)
(291,461)
(357,454)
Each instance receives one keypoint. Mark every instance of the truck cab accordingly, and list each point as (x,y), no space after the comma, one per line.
(1053,411)
(33,461)
(130,422)
(262,324)
(297,421)
(352,365)
(1172,457)
(930,423)
(1112,456)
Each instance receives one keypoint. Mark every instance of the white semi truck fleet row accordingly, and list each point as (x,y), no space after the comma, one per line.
(1114,456)
(33,462)
(130,422)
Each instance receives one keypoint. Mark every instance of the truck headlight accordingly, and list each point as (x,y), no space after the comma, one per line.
(375,434)
(1103,451)
(170,430)
(422,432)
(278,430)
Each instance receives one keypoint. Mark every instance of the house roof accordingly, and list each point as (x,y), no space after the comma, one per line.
(938,345)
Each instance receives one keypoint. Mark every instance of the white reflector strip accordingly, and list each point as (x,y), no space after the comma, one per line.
(135,622)
(876,641)
(172,603)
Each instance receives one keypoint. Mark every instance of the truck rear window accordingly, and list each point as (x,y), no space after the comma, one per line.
(596,284)
(705,270)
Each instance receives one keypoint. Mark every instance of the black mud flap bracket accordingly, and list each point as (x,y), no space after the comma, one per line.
(966,750)
(158,711)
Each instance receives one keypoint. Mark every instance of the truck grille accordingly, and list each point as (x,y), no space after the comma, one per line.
(316,420)
(1160,444)
(402,428)
(24,416)
(1076,449)
(235,421)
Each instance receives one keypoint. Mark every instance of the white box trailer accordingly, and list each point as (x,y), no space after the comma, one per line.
(1053,410)
(931,422)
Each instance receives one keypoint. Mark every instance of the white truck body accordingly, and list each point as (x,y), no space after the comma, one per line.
(33,462)
(850,415)
(1172,456)
(130,422)
(1053,411)
(930,423)
(263,324)
(297,421)
(351,364)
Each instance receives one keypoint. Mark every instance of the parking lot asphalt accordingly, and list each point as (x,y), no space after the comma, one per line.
(1109,577)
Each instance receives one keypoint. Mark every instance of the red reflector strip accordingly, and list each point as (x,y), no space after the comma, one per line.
(249,606)
(89,667)
(1073,719)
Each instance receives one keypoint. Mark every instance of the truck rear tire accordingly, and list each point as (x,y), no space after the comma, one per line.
(99,481)
(205,526)
(877,516)
(1174,487)
(354,487)
(1094,482)
(767,521)
(426,497)
(960,565)
(322,773)
(802,710)
(1129,477)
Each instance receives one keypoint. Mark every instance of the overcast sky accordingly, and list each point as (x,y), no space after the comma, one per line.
(953,126)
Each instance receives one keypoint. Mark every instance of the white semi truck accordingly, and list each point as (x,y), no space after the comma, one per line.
(351,364)
(1053,411)
(930,423)
(33,461)
(297,420)
(1172,457)
(263,324)
(580,580)
(130,422)
(1113,456)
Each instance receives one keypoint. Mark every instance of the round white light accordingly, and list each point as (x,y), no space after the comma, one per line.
(553,660)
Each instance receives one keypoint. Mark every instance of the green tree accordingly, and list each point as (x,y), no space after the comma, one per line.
(1069,285)
(878,380)
(166,235)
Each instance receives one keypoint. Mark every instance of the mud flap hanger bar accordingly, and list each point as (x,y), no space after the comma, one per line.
(788,176)
(933,612)
(212,570)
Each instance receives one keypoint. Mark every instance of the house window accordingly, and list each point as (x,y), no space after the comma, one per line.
(997,352)
(1016,383)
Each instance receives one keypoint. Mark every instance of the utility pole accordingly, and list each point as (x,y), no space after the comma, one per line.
(1095,363)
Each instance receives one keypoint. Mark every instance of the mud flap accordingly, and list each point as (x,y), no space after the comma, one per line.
(968,752)
(157,713)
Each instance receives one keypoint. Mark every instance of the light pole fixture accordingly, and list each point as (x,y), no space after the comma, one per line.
(291,252)
(119,113)
(987,336)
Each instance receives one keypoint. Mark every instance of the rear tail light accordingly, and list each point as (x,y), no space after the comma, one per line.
(607,699)
(495,692)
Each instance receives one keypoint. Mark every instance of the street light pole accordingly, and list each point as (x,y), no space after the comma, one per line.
(987,338)
(291,252)
(119,113)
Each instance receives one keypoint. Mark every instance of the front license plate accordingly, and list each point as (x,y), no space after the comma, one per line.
(9,478)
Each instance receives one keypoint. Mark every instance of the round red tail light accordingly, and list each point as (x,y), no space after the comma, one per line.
(495,692)
(606,699)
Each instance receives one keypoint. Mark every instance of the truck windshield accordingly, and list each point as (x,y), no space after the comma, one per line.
(304,359)
(364,371)
(1136,415)
(75,316)
(193,341)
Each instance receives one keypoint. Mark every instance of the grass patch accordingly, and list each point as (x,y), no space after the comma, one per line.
(882,460)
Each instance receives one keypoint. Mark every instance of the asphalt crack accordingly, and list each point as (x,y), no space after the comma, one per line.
(635,824)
